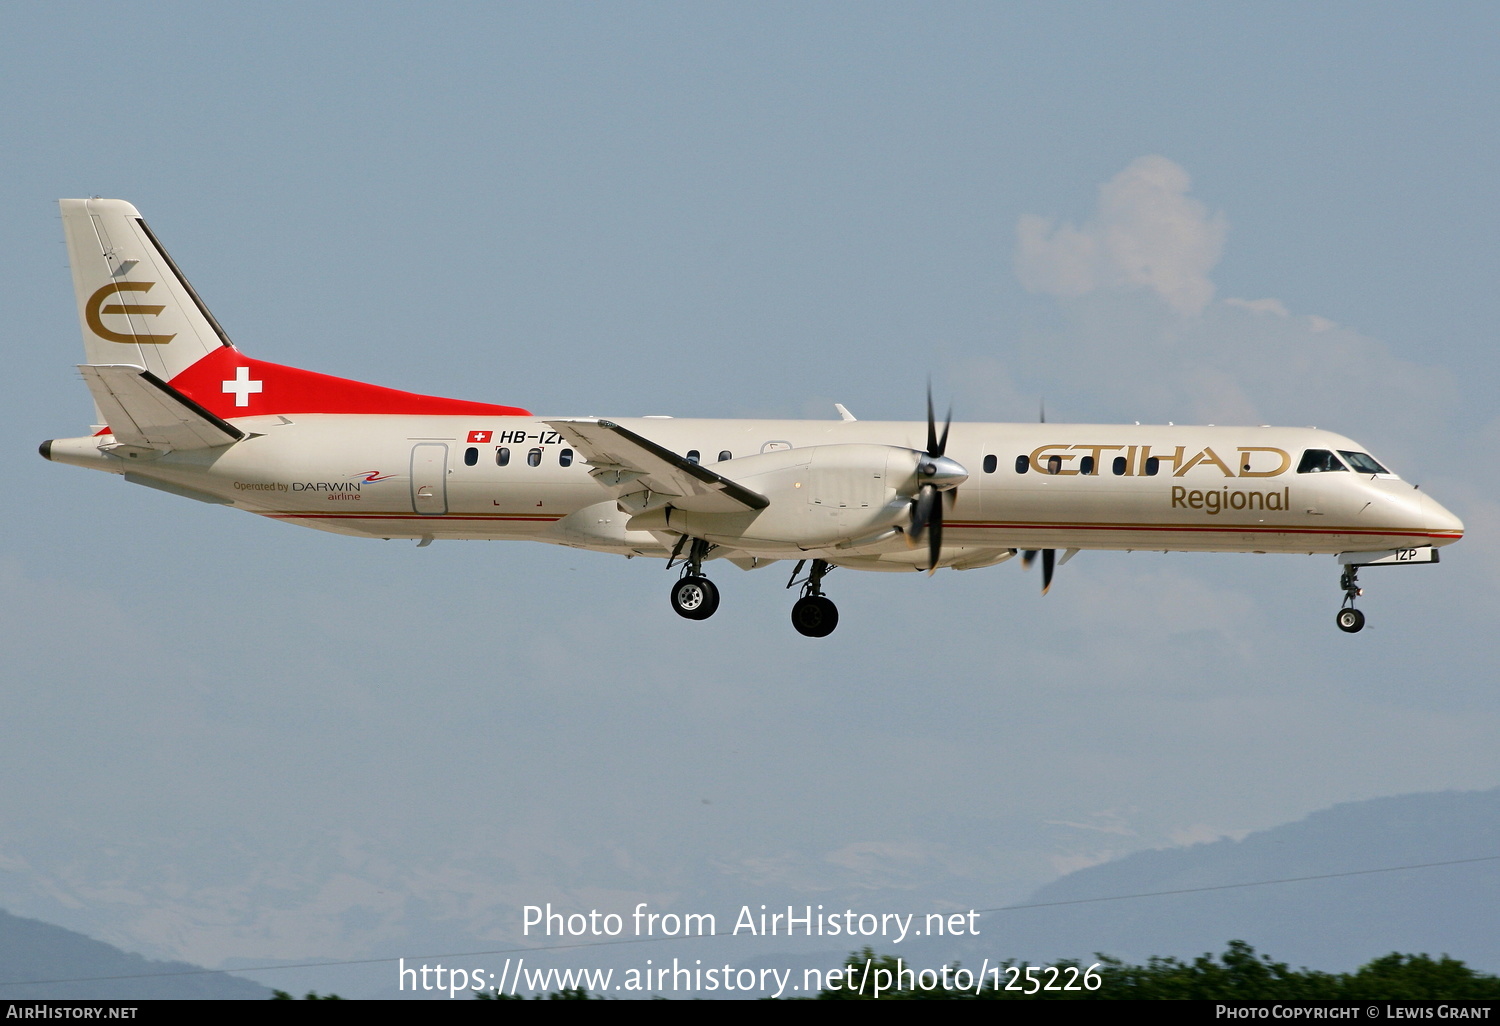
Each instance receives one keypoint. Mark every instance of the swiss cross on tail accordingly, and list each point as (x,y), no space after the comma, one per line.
(241,387)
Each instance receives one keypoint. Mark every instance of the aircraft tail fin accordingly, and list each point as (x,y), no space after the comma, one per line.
(137,310)
(134,305)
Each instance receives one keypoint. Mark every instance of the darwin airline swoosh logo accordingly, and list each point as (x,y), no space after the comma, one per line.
(95,311)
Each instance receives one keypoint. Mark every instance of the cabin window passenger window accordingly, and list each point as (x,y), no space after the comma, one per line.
(534,458)
(1152,466)
(1086,466)
(471,456)
(502,456)
(565,458)
(1362,462)
(1023,464)
(693,456)
(1319,461)
(725,455)
(1119,466)
(990,463)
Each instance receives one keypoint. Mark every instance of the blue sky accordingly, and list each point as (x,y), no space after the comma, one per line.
(228,740)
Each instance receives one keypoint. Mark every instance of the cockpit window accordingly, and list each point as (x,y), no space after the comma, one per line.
(1362,462)
(1320,461)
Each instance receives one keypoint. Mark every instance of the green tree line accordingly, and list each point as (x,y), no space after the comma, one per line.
(1239,974)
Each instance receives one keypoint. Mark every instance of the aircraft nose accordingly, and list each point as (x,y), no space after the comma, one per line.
(1444,526)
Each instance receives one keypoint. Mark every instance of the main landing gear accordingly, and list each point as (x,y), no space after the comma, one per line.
(1350,620)
(694,596)
(814,614)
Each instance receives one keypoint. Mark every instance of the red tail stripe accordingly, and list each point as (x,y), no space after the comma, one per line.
(270,388)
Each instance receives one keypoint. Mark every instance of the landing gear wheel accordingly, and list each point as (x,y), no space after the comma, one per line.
(695,598)
(1350,620)
(815,616)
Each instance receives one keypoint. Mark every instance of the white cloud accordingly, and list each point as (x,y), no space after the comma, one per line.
(1147,233)
(1226,361)
(1265,306)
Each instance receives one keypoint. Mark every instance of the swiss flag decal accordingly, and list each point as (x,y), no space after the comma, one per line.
(479,436)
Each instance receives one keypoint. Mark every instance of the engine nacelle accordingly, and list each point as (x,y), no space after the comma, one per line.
(820,495)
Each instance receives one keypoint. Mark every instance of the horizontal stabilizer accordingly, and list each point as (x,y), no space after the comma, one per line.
(620,456)
(143,410)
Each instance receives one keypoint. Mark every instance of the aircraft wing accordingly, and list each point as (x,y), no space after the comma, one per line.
(142,409)
(624,462)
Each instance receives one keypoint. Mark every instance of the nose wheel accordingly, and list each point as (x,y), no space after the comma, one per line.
(1350,620)
(814,614)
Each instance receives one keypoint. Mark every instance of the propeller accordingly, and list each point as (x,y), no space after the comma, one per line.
(1049,558)
(939,477)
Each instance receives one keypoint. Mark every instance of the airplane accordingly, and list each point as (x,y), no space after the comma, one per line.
(180,408)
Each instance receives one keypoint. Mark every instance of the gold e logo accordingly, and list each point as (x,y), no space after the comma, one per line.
(95,308)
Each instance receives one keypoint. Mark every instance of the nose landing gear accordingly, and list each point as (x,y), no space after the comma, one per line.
(1350,620)
(814,614)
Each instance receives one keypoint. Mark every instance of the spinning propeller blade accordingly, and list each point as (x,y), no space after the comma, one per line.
(1049,561)
(938,474)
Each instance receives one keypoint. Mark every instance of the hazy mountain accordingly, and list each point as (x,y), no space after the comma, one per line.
(1334,923)
(1337,922)
(33,950)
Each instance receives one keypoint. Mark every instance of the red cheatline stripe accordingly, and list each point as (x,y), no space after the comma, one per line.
(978,525)
(405,516)
(1195,529)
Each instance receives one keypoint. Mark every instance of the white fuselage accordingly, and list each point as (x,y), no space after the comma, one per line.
(1222,489)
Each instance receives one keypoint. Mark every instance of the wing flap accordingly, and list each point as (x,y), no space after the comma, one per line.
(624,461)
(143,410)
